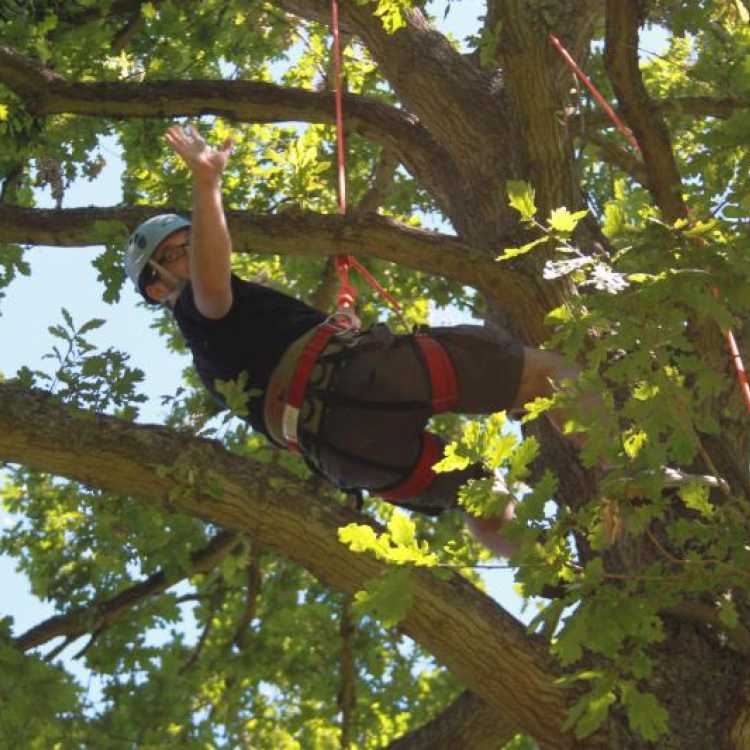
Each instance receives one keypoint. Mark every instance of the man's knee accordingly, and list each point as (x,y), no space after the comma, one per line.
(543,373)
(489,531)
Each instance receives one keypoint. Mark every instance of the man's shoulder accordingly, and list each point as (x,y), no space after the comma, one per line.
(249,298)
(255,291)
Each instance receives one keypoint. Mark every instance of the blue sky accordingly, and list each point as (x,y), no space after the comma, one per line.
(64,277)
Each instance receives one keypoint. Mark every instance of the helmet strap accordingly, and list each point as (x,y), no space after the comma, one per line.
(175,285)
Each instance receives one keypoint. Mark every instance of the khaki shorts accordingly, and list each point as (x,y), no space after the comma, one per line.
(377,406)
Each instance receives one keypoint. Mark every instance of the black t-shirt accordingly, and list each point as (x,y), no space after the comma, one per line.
(251,337)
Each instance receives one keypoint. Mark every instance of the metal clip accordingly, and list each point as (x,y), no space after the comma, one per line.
(346,321)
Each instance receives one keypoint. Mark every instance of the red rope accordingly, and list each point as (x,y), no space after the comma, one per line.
(373,282)
(605,105)
(340,150)
(739,366)
(347,293)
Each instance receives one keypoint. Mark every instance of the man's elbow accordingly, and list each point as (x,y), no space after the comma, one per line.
(213,303)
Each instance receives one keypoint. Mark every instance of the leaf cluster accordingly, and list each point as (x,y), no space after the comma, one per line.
(85,376)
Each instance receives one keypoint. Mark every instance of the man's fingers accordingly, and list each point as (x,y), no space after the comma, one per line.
(193,134)
(175,132)
(186,142)
(198,155)
(175,138)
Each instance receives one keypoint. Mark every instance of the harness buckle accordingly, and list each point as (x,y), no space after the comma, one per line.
(289,422)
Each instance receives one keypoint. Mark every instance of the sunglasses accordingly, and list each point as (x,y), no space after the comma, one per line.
(173,253)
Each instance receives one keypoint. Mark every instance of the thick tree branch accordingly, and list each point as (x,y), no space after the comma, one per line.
(481,643)
(45,92)
(312,235)
(426,71)
(694,106)
(702,106)
(347,695)
(621,62)
(254,585)
(535,92)
(102,614)
(398,131)
(575,27)
(467,724)
(459,103)
(612,153)
(381,183)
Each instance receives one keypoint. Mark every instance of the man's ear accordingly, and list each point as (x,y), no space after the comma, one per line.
(157,290)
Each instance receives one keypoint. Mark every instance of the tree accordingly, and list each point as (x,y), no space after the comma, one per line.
(633,264)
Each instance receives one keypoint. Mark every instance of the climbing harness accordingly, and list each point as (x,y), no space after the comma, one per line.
(734,351)
(443,384)
(297,422)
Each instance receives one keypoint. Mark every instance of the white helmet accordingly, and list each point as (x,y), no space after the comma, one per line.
(144,241)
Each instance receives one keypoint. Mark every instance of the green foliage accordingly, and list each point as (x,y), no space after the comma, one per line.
(520,742)
(388,598)
(235,394)
(560,225)
(85,376)
(111,272)
(243,655)
(645,713)
(390,12)
(588,714)
(397,546)
(487,44)
(521,197)
(11,263)
(656,401)
(31,689)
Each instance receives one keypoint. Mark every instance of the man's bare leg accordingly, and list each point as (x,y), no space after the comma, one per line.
(543,373)
(488,531)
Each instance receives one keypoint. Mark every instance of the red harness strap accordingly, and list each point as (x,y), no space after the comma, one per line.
(298,385)
(442,373)
(444,398)
(422,476)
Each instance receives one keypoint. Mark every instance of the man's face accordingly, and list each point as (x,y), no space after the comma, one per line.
(172,258)
(172,254)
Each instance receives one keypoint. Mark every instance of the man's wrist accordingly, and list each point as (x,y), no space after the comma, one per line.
(206,181)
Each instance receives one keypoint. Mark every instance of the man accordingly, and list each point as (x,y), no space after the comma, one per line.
(364,398)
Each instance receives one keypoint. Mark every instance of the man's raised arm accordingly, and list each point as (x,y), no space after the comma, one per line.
(210,244)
